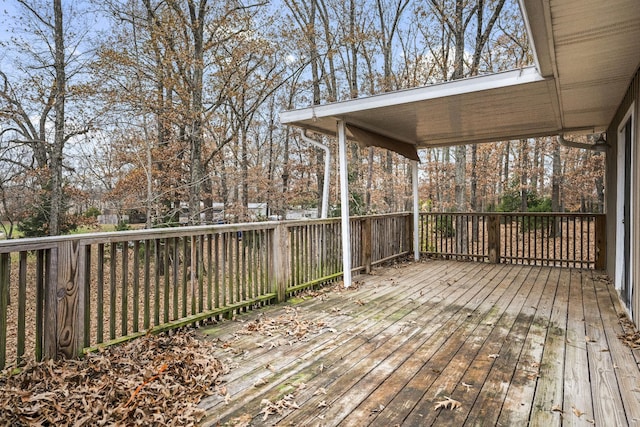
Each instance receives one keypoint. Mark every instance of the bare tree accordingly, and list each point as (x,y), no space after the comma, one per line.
(36,100)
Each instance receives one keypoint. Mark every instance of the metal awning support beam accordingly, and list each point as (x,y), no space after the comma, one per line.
(369,139)
(344,204)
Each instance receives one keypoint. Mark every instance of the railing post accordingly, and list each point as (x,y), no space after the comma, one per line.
(494,238)
(64,302)
(601,242)
(366,244)
(4,302)
(280,260)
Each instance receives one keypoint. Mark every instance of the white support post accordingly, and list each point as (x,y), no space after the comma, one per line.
(344,204)
(416,211)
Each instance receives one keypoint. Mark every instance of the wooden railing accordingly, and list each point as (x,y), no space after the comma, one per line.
(62,296)
(556,239)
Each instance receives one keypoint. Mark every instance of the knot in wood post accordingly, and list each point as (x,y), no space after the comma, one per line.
(63,325)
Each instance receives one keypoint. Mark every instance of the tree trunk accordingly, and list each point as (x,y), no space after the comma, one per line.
(197,21)
(524,155)
(461,197)
(245,176)
(56,210)
(389,192)
(535,175)
(505,169)
(369,180)
(473,199)
(473,193)
(556,178)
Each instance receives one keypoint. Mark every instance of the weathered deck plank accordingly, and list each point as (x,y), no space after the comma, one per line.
(356,325)
(517,405)
(398,379)
(494,385)
(357,356)
(411,335)
(479,349)
(366,380)
(622,360)
(604,379)
(548,398)
(577,408)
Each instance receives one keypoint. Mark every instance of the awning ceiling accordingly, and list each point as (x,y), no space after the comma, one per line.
(586,54)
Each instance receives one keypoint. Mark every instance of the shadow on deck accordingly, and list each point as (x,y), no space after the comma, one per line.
(508,345)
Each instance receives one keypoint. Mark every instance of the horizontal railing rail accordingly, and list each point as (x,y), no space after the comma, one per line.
(555,239)
(60,296)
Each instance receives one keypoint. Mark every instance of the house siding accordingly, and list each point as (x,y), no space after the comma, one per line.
(632,97)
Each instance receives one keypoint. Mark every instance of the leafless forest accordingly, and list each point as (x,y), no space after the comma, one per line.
(168,111)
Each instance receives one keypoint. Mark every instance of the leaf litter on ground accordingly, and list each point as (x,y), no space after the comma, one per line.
(286,328)
(153,380)
(630,336)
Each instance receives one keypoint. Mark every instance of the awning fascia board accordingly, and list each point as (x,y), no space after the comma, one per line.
(407,96)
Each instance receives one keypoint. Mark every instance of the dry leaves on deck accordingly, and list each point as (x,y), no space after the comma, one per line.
(154,380)
(289,326)
(631,336)
(272,408)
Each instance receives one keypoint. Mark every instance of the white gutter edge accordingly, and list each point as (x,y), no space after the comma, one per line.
(527,26)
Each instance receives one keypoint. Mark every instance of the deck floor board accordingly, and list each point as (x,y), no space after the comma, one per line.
(515,345)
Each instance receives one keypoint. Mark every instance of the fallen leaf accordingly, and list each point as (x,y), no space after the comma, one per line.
(448,403)
(242,421)
(260,382)
(321,390)
(577,412)
(556,408)
(494,356)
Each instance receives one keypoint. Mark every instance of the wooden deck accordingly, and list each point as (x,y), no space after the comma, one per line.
(514,345)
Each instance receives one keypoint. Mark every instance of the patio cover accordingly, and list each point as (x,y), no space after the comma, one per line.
(586,53)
